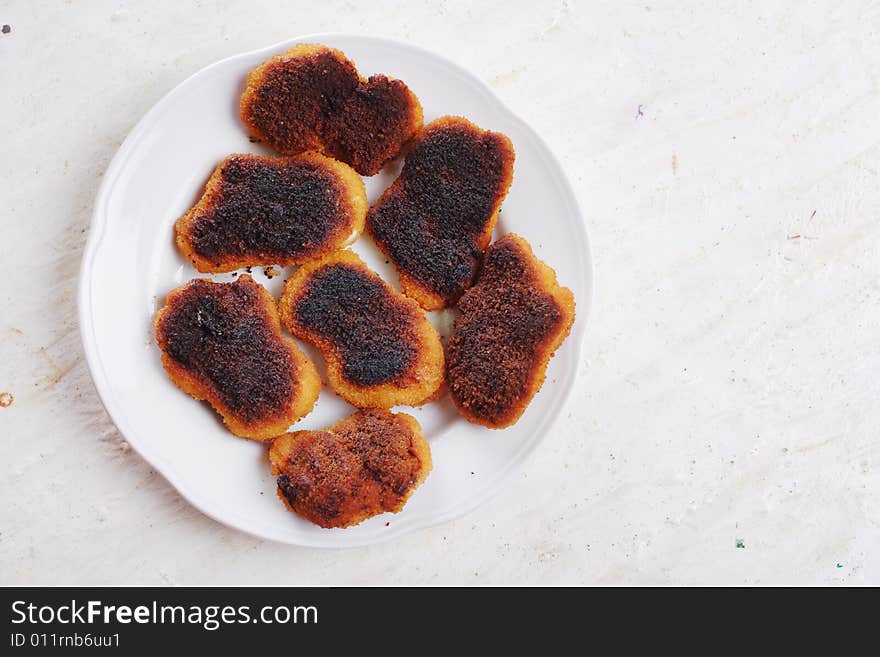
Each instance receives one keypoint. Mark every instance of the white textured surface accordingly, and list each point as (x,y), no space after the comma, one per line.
(729,384)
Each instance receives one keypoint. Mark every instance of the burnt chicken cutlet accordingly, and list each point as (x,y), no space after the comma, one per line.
(272,211)
(361,466)
(379,346)
(512,321)
(222,342)
(437,218)
(312,98)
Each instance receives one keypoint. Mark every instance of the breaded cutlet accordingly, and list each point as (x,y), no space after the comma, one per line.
(511,323)
(222,342)
(259,211)
(436,219)
(364,465)
(312,98)
(379,346)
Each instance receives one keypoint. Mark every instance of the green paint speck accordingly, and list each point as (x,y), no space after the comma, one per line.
(740,544)
(840,565)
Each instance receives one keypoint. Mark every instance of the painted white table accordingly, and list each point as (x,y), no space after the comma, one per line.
(725,427)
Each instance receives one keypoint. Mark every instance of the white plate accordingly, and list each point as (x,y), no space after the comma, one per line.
(130,264)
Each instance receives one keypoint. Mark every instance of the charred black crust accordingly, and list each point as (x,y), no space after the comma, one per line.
(368,465)
(296,97)
(499,338)
(372,331)
(373,125)
(269,208)
(319,102)
(221,334)
(430,221)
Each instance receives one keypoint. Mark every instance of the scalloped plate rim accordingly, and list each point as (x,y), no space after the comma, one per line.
(167,470)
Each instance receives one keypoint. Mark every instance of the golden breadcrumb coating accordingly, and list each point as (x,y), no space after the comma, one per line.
(259,211)
(312,98)
(222,342)
(364,465)
(436,219)
(380,348)
(511,323)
